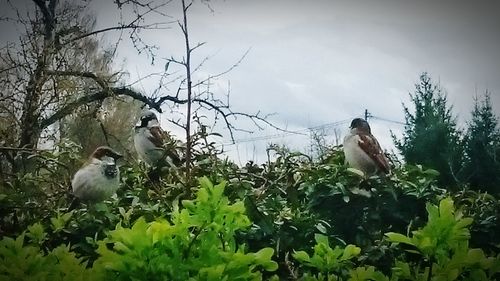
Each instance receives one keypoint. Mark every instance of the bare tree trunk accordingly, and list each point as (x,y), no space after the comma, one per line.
(30,130)
(30,118)
(189,89)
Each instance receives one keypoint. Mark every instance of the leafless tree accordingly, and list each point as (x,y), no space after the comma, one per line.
(57,66)
(53,71)
(197,96)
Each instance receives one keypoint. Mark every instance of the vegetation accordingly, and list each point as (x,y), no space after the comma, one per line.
(482,147)
(258,222)
(291,218)
(431,136)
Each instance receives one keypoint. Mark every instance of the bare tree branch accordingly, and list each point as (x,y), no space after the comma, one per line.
(48,16)
(84,74)
(224,72)
(101,95)
(119,27)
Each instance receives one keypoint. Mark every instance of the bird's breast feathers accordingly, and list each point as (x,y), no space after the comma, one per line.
(354,154)
(364,151)
(92,183)
(149,138)
(147,145)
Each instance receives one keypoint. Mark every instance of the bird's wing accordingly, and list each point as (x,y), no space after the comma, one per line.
(80,181)
(369,144)
(156,136)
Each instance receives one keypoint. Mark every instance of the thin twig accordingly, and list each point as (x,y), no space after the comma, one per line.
(191,243)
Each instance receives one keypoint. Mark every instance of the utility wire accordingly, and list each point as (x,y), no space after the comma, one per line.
(387,120)
(303,131)
(297,132)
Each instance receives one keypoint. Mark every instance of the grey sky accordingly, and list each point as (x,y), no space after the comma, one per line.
(318,62)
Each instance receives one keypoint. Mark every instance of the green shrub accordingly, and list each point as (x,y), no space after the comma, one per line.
(335,264)
(231,230)
(20,261)
(197,244)
(443,247)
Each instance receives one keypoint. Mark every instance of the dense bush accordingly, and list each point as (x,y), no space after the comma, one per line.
(260,222)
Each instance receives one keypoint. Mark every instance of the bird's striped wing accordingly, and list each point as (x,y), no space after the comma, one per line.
(157,136)
(371,147)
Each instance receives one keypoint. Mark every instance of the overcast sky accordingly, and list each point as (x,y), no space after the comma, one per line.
(321,62)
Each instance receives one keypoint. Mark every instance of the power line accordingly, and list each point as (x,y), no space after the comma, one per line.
(387,120)
(328,125)
(302,131)
(289,133)
(370,115)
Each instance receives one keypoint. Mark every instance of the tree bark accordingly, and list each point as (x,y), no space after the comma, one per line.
(189,89)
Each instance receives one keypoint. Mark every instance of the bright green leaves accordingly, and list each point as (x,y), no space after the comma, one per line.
(443,242)
(328,261)
(27,262)
(445,231)
(59,222)
(263,257)
(36,233)
(129,247)
(17,262)
(366,274)
(199,244)
(212,210)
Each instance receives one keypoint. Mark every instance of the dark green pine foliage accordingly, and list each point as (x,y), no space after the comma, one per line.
(483,147)
(430,136)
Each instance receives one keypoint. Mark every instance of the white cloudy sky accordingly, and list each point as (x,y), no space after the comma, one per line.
(320,62)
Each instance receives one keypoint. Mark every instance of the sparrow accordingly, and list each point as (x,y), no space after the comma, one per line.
(99,177)
(362,150)
(148,138)
(150,141)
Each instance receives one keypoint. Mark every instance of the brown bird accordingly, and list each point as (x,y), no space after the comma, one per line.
(151,141)
(148,138)
(362,150)
(98,178)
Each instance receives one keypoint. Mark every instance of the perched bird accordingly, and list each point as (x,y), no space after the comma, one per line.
(150,141)
(98,178)
(362,150)
(148,138)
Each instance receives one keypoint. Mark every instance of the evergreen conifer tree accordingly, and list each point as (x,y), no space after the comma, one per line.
(483,147)
(431,137)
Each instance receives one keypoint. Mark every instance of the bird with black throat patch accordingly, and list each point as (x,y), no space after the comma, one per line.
(362,150)
(99,178)
(151,141)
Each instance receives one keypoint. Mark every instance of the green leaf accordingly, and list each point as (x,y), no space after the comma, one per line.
(205,183)
(398,238)
(350,251)
(321,239)
(264,254)
(366,274)
(202,195)
(301,256)
(36,232)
